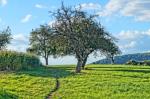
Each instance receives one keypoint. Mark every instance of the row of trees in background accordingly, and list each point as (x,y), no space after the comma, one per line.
(74,32)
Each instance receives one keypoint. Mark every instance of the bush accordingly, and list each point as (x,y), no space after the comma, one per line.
(143,63)
(132,62)
(146,62)
(10,60)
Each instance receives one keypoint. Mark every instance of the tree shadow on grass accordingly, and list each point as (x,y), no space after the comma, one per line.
(120,68)
(132,70)
(55,72)
(126,70)
(6,95)
(136,70)
(102,68)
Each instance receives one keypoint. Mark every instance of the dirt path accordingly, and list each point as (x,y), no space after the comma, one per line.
(57,84)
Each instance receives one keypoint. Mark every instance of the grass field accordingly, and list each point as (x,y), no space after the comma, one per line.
(26,84)
(96,82)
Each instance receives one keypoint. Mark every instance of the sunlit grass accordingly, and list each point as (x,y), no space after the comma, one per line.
(96,82)
(107,82)
(26,85)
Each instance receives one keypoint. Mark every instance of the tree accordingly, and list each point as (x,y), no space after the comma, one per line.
(5,37)
(82,33)
(111,50)
(41,42)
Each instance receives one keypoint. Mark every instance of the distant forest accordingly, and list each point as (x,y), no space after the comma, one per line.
(125,58)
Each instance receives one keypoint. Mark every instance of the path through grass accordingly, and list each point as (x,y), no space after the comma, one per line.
(36,83)
(106,82)
(97,82)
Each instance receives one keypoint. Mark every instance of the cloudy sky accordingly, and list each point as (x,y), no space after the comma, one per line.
(127,20)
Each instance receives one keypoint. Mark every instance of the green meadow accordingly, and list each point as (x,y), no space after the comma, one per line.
(61,82)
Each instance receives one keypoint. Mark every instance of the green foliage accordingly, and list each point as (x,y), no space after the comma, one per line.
(147,62)
(5,37)
(82,33)
(110,50)
(15,61)
(41,42)
(132,62)
(143,63)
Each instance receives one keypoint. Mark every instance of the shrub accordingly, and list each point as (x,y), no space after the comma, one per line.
(10,60)
(146,62)
(140,63)
(143,63)
(132,62)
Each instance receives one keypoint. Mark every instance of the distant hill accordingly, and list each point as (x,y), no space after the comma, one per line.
(125,58)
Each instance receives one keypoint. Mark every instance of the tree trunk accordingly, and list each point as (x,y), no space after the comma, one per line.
(79,65)
(46,61)
(112,60)
(84,62)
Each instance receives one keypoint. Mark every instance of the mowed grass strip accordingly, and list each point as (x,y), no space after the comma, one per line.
(106,82)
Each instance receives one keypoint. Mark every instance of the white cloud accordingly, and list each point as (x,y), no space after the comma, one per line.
(40,6)
(139,9)
(112,7)
(92,6)
(133,40)
(132,35)
(129,35)
(26,18)
(147,32)
(131,44)
(3,2)
(19,43)
(20,38)
(18,48)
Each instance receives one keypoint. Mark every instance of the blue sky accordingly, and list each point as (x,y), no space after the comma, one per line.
(127,20)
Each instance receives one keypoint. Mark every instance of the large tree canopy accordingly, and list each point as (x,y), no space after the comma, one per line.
(5,37)
(81,32)
(41,42)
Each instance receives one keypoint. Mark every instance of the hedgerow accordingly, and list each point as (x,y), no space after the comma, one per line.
(11,60)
